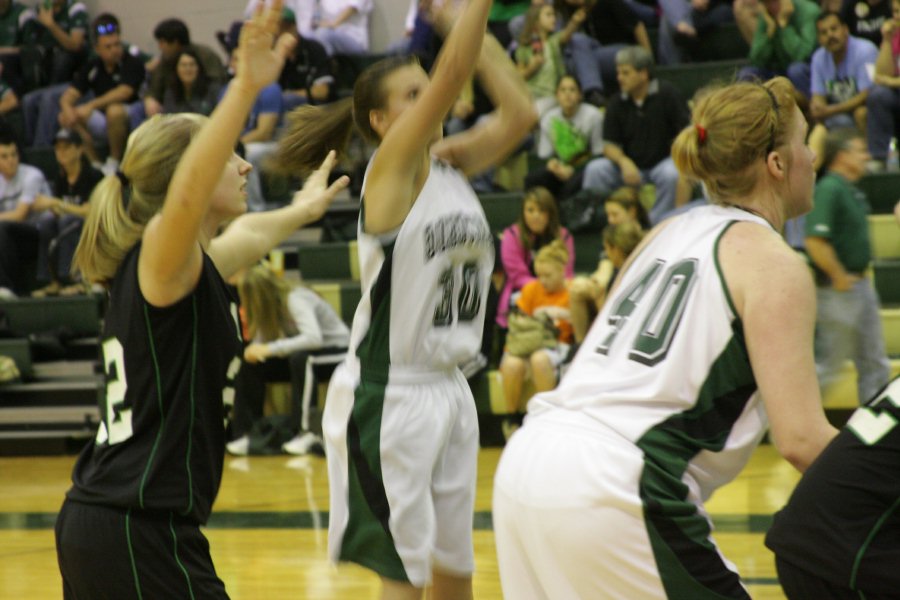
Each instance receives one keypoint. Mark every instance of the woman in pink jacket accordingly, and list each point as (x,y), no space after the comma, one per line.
(538,226)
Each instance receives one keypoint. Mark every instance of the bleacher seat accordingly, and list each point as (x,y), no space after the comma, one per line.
(18,350)
(328,261)
(79,314)
(887,280)
(882,190)
(690,77)
(884,233)
(501,209)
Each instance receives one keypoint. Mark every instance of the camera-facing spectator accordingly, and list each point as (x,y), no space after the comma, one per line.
(190,89)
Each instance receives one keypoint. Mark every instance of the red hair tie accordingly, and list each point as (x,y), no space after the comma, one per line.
(701,134)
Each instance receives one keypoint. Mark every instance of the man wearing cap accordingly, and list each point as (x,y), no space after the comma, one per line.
(114,77)
(60,223)
(306,77)
(20,185)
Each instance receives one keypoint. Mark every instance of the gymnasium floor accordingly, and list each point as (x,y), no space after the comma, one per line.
(268,538)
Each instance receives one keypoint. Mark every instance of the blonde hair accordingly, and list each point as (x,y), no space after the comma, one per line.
(733,127)
(624,236)
(117,216)
(554,253)
(264,298)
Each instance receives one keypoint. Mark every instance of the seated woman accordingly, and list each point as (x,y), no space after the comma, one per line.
(587,294)
(291,330)
(190,89)
(538,226)
(547,296)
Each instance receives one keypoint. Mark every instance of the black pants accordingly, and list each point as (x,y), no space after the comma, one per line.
(119,554)
(302,369)
(18,255)
(560,189)
(798,584)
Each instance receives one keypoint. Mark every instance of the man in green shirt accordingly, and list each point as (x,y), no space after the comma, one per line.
(784,39)
(60,32)
(14,17)
(848,324)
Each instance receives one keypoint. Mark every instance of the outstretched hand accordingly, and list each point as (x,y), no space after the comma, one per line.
(258,62)
(316,194)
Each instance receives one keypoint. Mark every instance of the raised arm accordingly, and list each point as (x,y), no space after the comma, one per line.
(496,136)
(171,258)
(773,293)
(392,179)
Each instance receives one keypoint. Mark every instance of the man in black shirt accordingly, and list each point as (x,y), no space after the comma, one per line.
(306,77)
(114,77)
(638,130)
(839,535)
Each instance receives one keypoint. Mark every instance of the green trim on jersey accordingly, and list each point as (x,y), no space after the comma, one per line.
(367,539)
(187,576)
(134,570)
(190,444)
(688,562)
(719,266)
(162,413)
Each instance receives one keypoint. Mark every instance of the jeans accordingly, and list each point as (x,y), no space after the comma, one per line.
(799,73)
(848,326)
(603,175)
(54,264)
(591,63)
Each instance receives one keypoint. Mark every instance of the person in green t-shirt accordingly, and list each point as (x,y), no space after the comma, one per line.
(848,324)
(60,33)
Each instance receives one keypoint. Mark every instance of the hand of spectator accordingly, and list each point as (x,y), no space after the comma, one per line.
(259,64)
(887,28)
(83,112)
(844,282)
(256,353)
(579,16)
(316,194)
(786,12)
(700,5)
(42,202)
(45,15)
(58,208)
(685,28)
(152,106)
(631,175)
(561,170)
(67,117)
(886,81)
(818,109)
(771,25)
(556,313)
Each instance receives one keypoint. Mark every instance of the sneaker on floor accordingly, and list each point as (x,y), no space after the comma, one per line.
(7,294)
(304,443)
(240,446)
(51,289)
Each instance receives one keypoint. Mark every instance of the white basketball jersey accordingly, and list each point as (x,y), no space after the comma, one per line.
(665,365)
(425,285)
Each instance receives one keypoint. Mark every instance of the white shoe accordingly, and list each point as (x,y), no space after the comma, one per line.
(304,443)
(240,446)
(7,294)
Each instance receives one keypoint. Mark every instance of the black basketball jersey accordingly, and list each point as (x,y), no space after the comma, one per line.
(169,389)
(842,523)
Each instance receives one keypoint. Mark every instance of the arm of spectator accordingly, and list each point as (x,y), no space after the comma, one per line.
(574,23)
(642,37)
(822,254)
(631,175)
(797,34)
(569,241)
(342,18)
(514,259)
(762,49)
(265,129)
(884,64)
(8,102)
(152,106)
(320,90)
(310,332)
(528,62)
(119,94)
(847,106)
(72,41)
(67,115)
(18,214)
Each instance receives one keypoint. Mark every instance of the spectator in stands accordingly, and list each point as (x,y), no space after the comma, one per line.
(848,324)
(172,37)
(840,75)
(113,79)
(9,101)
(864,18)
(545,296)
(883,102)
(587,294)
(14,19)
(609,27)
(638,129)
(307,77)
(539,55)
(290,328)
(343,26)
(784,39)
(503,14)
(60,223)
(537,227)
(59,35)
(687,22)
(20,185)
(190,89)
(571,134)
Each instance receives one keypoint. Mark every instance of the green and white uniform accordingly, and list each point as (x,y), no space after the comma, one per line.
(400,423)
(600,494)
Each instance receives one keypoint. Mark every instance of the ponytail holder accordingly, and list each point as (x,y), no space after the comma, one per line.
(701,134)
